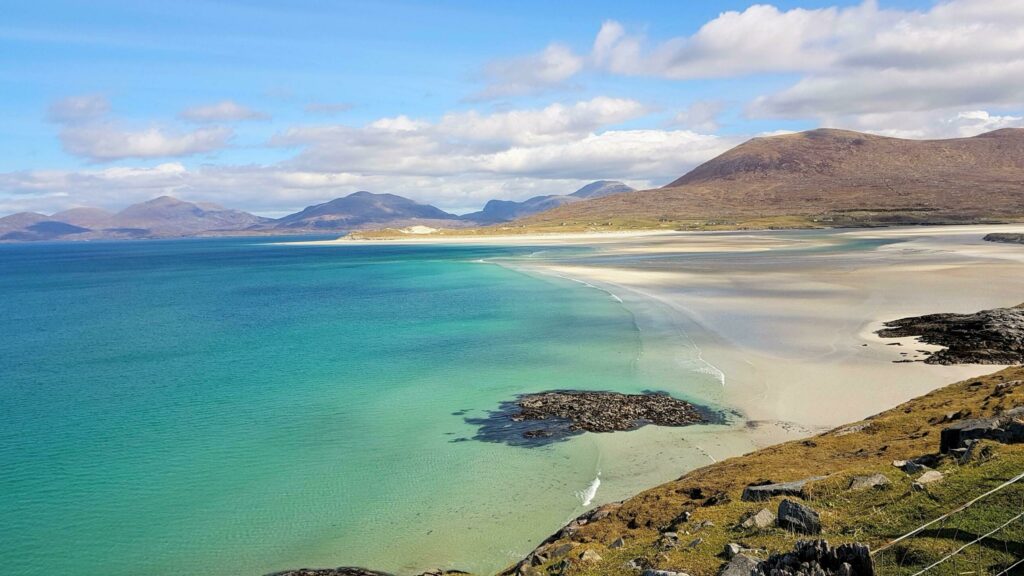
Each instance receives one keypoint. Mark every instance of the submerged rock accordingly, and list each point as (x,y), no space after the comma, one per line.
(548,417)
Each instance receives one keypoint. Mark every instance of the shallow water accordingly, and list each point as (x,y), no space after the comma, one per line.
(236,407)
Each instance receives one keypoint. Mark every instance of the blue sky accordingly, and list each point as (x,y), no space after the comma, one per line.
(270,106)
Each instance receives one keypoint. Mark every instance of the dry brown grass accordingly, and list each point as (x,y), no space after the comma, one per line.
(834,177)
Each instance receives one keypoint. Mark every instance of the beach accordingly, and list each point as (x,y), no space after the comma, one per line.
(787,319)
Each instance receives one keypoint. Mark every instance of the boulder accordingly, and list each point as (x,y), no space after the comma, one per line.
(590,556)
(653,572)
(957,435)
(798,518)
(927,478)
(866,482)
(732,549)
(755,493)
(740,565)
(668,540)
(762,519)
(909,466)
(617,543)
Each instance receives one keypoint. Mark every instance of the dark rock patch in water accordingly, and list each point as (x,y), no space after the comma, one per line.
(547,417)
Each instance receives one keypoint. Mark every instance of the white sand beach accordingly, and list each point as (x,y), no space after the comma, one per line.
(789,318)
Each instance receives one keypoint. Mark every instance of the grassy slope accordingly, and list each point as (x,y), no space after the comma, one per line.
(872,516)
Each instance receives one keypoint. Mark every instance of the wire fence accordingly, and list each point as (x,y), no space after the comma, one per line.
(984,537)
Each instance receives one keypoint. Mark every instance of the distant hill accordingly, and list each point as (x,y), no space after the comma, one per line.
(496,211)
(361,209)
(833,177)
(163,217)
(167,216)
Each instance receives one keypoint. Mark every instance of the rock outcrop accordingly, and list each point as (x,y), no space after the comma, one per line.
(760,492)
(988,337)
(818,558)
(796,517)
(1007,428)
(1004,237)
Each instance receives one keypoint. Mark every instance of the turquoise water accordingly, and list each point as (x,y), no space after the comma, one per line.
(233,407)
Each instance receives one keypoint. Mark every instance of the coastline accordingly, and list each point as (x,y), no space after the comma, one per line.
(784,358)
(782,323)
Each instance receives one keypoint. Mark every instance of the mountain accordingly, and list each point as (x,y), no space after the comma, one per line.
(167,216)
(601,188)
(21,220)
(362,209)
(163,217)
(84,217)
(506,210)
(834,177)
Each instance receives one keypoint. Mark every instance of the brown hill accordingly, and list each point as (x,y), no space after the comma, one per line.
(831,177)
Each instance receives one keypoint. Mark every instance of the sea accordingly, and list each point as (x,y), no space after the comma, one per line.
(247,405)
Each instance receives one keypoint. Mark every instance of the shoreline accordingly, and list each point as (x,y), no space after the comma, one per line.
(784,324)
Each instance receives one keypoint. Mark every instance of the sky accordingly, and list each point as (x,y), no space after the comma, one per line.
(274,106)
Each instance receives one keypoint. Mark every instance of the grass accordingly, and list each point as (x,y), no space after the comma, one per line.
(873,516)
(609,225)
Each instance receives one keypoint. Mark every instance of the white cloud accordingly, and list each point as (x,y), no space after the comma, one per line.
(858,60)
(457,162)
(462,141)
(760,39)
(928,124)
(531,74)
(79,108)
(88,130)
(105,141)
(224,111)
(701,116)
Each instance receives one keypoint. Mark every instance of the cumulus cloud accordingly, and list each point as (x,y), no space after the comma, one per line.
(463,141)
(457,162)
(928,124)
(858,60)
(224,111)
(102,142)
(701,116)
(530,74)
(88,131)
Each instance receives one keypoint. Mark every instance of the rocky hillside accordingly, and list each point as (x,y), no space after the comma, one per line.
(831,177)
(507,210)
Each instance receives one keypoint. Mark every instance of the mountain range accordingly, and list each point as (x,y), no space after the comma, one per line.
(830,177)
(823,177)
(167,217)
